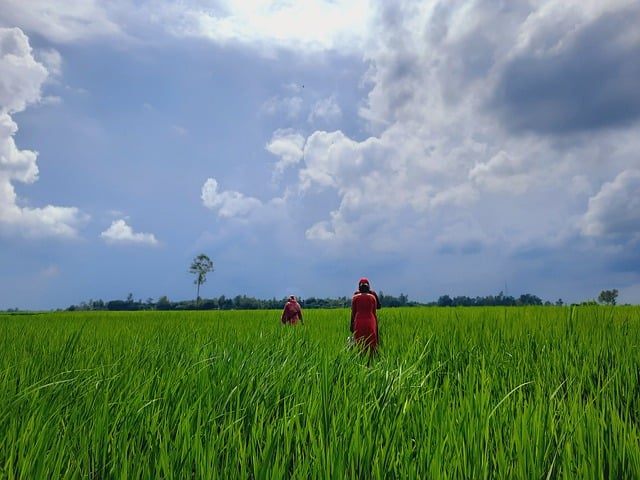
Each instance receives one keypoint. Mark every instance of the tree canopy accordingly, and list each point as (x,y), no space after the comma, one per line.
(608,296)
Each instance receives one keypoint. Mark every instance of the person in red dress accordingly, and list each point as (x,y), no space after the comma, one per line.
(364,319)
(292,312)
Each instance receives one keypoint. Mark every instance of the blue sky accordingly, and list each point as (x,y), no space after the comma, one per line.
(437,147)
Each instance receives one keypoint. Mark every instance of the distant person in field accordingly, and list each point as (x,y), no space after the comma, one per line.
(364,319)
(292,312)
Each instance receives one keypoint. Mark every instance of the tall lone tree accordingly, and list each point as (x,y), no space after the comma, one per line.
(200,266)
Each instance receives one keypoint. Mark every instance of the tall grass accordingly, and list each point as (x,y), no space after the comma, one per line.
(538,392)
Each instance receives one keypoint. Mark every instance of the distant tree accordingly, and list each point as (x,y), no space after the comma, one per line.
(225,303)
(462,300)
(445,301)
(163,303)
(529,299)
(118,305)
(200,266)
(608,296)
(588,303)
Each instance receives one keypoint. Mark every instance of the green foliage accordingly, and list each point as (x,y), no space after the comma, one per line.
(531,392)
(489,301)
(608,296)
(244,302)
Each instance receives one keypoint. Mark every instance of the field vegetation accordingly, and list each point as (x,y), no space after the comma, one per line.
(495,392)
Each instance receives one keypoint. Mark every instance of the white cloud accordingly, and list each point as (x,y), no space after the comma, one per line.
(288,145)
(228,203)
(332,160)
(52,61)
(121,233)
(439,144)
(309,25)
(320,231)
(47,221)
(20,85)
(615,210)
(326,110)
(69,21)
(22,75)
(501,172)
(15,164)
(265,24)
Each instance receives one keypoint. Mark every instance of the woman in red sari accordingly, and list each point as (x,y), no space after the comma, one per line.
(364,321)
(291,312)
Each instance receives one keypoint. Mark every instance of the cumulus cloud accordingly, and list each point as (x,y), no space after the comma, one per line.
(47,221)
(121,233)
(446,93)
(228,203)
(468,108)
(333,160)
(614,212)
(15,164)
(20,85)
(288,145)
(22,75)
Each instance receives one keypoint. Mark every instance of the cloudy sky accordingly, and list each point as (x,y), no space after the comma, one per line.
(460,147)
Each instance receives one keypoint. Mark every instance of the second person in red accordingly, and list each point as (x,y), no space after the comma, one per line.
(291,312)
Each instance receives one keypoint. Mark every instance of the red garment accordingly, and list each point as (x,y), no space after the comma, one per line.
(364,320)
(291,313)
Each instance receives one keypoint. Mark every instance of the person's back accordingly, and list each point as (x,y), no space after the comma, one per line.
(364,305)
(292,311)
(364,322)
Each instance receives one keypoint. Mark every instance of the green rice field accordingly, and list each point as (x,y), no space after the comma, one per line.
(470,393)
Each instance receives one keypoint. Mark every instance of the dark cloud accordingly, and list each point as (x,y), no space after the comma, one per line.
(627,260)
(591,83)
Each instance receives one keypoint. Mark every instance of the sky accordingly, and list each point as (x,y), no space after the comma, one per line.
(437,147)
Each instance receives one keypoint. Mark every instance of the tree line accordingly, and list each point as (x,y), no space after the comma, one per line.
(244,302)
(239,302)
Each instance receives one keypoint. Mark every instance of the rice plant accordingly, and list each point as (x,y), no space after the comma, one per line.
(535,392)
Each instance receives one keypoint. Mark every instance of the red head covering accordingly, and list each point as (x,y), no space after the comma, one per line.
(363,281)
